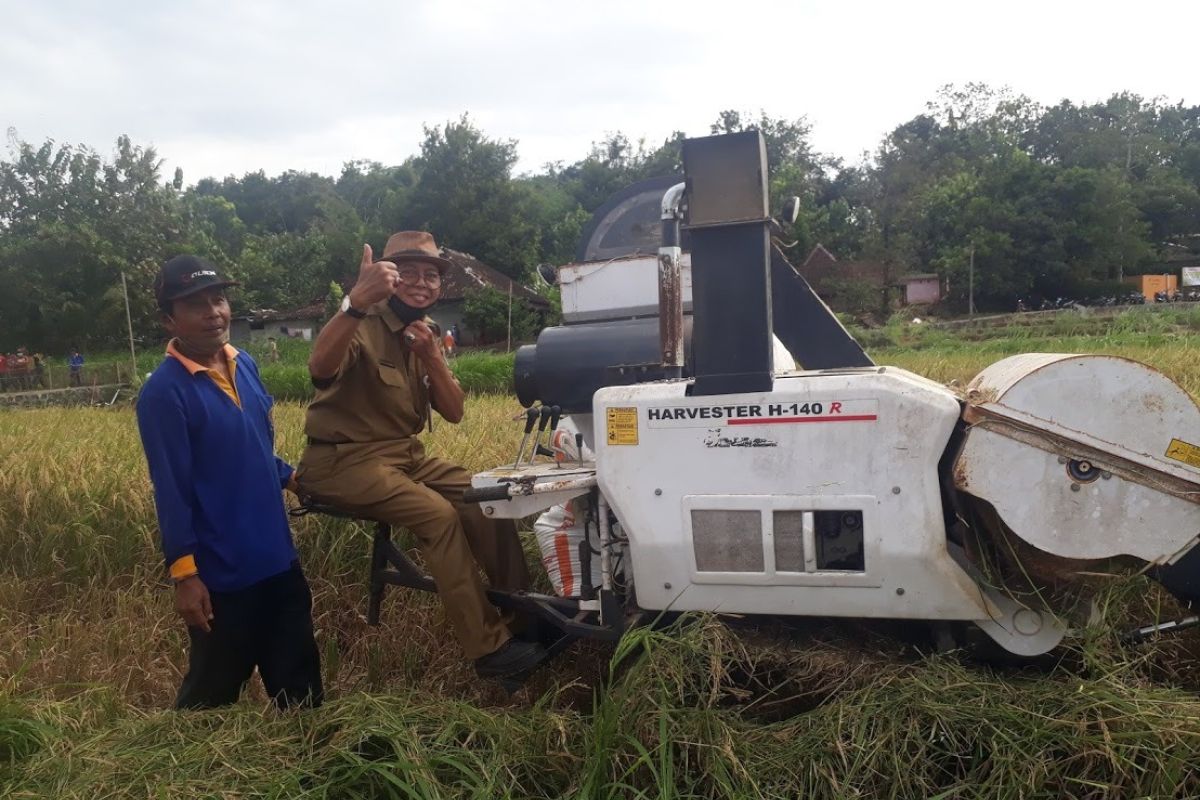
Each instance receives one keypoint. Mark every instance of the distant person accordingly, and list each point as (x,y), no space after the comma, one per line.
(39,370)
(75,364)
(20,367)
(272,350)
(448,344)
(454,333)
(205,422)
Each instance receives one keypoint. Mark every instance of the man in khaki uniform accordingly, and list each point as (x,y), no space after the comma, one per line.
(380,373)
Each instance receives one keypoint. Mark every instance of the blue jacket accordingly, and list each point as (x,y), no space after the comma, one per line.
(217,481)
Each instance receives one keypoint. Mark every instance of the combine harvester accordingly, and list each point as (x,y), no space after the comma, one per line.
(725,479)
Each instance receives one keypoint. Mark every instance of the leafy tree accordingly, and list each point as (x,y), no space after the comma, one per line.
(70,224)
(485,310)
(378,194)
(614,163)
(285,270)
(333,300)
(466,197)
(1050,200)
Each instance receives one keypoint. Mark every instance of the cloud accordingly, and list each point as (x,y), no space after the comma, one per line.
(223,88)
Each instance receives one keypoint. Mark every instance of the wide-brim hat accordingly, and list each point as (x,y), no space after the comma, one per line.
(185,275)
(414,246)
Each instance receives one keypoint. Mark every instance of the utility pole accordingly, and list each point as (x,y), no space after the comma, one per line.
(509,350)
(129,325)
(1121,224)
(971,285)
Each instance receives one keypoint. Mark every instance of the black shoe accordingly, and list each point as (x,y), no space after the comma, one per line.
(514,658)
(537,632)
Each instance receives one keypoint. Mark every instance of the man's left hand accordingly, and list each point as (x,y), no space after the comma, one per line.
(421,340)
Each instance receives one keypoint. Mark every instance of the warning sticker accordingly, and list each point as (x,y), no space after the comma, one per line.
(622,425)
(1182,451)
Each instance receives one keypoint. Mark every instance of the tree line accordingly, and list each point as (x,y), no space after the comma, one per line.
(1052,200)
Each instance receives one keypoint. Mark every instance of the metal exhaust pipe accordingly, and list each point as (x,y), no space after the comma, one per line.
(670,284)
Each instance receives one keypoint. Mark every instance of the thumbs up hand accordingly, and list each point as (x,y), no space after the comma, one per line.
(376,281)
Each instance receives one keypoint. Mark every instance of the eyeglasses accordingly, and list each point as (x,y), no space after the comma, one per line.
(411,277)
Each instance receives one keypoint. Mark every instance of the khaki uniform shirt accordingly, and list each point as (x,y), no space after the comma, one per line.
(380,392)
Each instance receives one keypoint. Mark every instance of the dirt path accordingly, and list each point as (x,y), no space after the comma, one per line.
(100,394)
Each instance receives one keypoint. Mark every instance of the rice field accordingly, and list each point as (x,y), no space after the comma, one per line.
(1167,339)
(91,653)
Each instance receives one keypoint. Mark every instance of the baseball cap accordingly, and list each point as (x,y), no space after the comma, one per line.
(185,275)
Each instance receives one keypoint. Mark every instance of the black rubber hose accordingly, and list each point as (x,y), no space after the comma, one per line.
(486,494)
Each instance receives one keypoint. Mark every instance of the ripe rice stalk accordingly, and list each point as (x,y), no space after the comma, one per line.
(91,653)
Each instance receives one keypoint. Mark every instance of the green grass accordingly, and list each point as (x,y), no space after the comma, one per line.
(1167,339)
(483,372)
(697,713)
(478,371)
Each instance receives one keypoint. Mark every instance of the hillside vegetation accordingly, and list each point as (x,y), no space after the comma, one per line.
(1044,201)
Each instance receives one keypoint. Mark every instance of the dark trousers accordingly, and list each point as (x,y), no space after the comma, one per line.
(267,625)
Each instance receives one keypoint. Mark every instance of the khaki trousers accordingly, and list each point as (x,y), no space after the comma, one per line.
(394,482)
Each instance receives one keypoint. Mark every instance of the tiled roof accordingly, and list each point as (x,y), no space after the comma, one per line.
(467,272)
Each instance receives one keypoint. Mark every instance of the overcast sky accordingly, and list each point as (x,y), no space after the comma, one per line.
(225,88)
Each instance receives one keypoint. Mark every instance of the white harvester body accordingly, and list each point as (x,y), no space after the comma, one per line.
(739,484)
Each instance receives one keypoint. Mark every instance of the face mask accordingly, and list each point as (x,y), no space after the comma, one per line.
(405,312)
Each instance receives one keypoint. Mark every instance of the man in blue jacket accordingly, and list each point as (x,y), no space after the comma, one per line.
(206,427)
(76,365)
